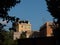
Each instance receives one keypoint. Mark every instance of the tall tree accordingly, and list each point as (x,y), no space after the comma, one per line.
(5,6)
(54,8)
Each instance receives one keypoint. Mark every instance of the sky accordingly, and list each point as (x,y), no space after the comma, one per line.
(35,11)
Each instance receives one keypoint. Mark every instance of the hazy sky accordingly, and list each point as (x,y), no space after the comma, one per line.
(34,11)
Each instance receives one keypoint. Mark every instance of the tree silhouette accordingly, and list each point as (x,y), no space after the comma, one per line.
(23,35)
(5,6)
(54,8)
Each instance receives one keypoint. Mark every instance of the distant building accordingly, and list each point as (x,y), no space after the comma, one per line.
(46,30)
(21,26)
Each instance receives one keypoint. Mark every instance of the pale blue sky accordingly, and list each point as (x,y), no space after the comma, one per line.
(34,11)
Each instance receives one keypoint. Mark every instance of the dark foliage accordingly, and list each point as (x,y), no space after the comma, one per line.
(23,35)
(5,6)
(37,41)
(54,7)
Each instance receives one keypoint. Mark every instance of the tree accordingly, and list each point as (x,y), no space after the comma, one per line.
(2,36)
(54,9)
(5,6)
(23,35)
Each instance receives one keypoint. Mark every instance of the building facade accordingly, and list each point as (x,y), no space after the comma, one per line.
(46,30)
(16,35)
(21,26)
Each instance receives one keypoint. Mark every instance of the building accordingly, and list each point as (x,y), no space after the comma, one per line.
(21,26)
(46,30)
(16,35)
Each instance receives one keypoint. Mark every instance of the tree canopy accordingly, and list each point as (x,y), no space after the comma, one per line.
(54,7)
(5,6)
